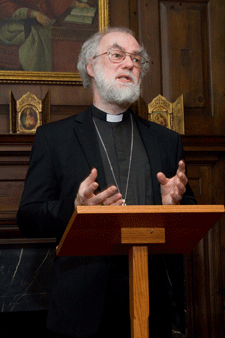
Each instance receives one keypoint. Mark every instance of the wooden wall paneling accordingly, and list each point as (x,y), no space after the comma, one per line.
(190,302)
(133,15)
(59,112)
(4,118)
(148,21)
(202,276)
(215,258)
(204,273)
(185,40)
(223,275)
(69,95)
(119,13)
(14,161)
(215,282)
(198,302)
(217,38)
(186,56)
(11,185)
(217,248)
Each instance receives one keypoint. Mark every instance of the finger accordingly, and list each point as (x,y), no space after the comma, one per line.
(118,203)
(84,195)
(178,192)
(112,200)
(180,181)
(181,172)
(182,178)
(91,177)
(161,178)
(88,186)
(181,185)
(180,189)
(89,190)
(181,166)
(176,196)
(102,197)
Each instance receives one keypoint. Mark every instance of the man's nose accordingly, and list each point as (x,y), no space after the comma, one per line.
(128,62)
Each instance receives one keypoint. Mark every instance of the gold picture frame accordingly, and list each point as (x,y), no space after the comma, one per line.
(59,77)
(28,113)
(167,114)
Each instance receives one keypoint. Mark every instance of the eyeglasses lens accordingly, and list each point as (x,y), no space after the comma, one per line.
(118,56)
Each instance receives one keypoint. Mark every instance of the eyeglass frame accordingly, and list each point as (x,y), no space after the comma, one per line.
(132,55)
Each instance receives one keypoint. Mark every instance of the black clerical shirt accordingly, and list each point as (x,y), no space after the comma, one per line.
(117,140)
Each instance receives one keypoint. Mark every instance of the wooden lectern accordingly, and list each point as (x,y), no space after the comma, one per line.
(137,231)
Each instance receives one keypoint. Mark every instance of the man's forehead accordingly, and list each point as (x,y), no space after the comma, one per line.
(122,40)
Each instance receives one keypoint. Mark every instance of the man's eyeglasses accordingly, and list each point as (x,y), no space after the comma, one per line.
(118,56)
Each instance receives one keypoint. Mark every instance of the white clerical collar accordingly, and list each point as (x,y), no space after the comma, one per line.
(109,117)
(114,118)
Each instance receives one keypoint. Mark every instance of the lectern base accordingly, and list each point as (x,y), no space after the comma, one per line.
(139,291)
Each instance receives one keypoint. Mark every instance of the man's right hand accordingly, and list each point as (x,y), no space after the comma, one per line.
(86,195)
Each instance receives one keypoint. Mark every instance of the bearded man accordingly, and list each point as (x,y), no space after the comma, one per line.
(105,155)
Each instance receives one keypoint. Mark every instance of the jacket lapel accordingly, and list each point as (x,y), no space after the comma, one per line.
(85,132)
(154,154)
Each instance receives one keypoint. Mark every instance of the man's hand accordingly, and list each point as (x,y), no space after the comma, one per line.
(86,196)
(172,189)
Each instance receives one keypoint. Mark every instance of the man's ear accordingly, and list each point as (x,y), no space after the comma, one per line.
(90,69)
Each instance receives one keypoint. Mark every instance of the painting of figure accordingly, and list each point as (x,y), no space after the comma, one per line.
(45,35)
(29,118)
(160,117)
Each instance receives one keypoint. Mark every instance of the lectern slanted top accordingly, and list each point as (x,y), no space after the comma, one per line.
(100,230)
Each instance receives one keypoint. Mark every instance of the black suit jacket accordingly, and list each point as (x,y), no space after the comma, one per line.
(62,156)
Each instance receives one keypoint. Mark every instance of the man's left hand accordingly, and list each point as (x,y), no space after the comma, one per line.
(172,189)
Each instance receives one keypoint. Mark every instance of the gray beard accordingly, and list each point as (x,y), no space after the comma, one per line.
(112,92)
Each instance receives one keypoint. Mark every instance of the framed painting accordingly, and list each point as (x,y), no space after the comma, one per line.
(28,113)
(40,41)
(167,114)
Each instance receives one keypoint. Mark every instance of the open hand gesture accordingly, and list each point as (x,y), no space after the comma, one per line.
(86,195)
(172,189)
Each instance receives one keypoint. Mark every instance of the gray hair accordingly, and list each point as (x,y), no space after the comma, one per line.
(90,49)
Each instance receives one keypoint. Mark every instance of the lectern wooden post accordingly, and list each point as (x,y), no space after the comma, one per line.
(137,231)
